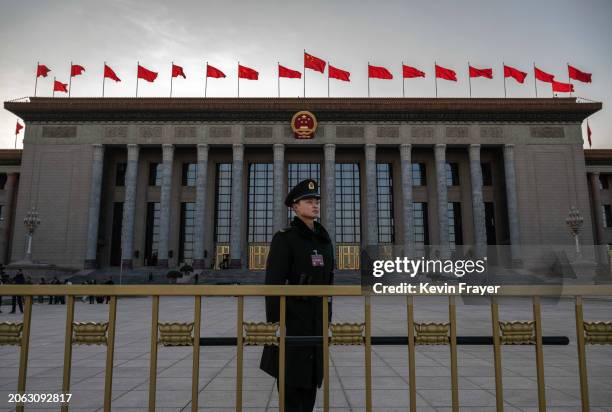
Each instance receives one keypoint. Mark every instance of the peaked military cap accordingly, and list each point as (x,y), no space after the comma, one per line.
(305,189)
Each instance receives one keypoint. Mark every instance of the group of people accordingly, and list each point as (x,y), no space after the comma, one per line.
(20,279)
(98,299)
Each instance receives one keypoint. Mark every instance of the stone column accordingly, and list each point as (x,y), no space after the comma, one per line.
(329,195)
(165,204)
(10,186)
(371,195)
(279,220)
(238,205)
(440,157)
(201,180)
(407,211)
(478,209)
(597,207)
(94,206)
(511,198)
(129,206)
(600,251)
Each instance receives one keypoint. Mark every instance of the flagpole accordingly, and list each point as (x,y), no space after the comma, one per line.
(36,80)
(569,79)
(103,78)
(436,78)
(278,73)
(70,80)
(137,64)
(53,87)
(328,80)
(403,81)
(469,80)
(535,81)
(171,77)
(504,76)
(238,72)
(304,71)
(205,79)
(368,79)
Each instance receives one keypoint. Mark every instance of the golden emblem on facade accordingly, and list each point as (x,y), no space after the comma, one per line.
(304,125)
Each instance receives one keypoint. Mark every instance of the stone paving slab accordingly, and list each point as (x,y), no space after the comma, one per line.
(347,373)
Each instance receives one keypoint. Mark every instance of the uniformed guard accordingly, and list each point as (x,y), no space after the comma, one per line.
(302,254)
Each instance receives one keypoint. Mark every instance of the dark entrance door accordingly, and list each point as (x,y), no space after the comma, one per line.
(491,235)
(115,258)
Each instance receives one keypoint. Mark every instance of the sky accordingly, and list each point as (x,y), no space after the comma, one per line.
(348,34)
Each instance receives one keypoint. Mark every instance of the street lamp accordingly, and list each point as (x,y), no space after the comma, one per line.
(574,223)
(31,221)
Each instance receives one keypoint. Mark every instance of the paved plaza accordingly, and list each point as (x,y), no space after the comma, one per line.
(347,383)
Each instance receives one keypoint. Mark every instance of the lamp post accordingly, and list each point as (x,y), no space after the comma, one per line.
(574,223)
(31,221)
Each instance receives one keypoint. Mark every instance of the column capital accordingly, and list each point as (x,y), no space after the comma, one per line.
(474,151)
(132,151)
(202,152)
(405,151)
(238,151)
(370,151)
(98,150)
(595,173)
(167,152)
(329,151)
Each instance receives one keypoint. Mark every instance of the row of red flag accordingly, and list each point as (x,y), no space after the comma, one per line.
(317,64)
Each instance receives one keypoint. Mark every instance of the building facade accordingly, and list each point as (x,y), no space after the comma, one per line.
(157,182)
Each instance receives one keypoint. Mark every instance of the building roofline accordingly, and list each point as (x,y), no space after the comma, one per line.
(86,109)
(598,154)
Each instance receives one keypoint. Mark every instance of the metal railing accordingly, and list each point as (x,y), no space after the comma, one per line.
(188,334)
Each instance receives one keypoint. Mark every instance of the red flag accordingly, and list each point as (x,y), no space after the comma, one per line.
(178,71)
(110,73)
(379,72)
(474,72)
(411,72)
(589,133)
(76,70)
(516,74)
(285,72)
(18,128)
(543,76)
(562,87)
(146,74)
(60,87)
(336,73)
(247,73)
(214,72)
(314,63)
(446,74)
(42,70)
(576,74)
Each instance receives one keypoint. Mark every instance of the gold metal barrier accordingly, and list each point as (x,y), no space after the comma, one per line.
(348,256)
(188,334)
(258,254)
